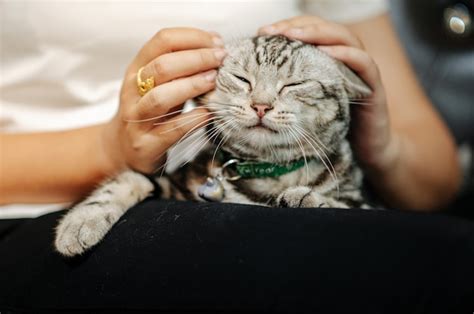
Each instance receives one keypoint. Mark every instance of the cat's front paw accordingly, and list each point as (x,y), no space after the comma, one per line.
(76,233)
(300,196)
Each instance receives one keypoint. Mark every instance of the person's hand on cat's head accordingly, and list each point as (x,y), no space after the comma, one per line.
(373,142)
(182,62)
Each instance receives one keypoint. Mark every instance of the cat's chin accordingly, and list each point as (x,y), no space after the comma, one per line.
(260,140)
(261,136)
(262,128)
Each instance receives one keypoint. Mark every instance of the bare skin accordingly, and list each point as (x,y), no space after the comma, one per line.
(63,166)
(413,167)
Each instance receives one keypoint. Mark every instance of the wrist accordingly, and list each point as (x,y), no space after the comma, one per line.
(388,157)
(110,157)
(391,155)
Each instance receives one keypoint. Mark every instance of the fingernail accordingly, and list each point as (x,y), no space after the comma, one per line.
(295,32)
(218,42)
(270,30)
(210,75)
(220,54)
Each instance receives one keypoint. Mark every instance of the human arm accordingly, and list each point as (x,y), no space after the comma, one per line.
(427,173)
(63,166)
(52,167)
(407,151)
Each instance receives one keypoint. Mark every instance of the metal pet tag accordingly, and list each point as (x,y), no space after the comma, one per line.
(212,190)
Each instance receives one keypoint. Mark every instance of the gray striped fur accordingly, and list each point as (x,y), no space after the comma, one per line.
(309,93)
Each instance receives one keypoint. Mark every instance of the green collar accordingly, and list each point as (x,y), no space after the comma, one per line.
(256,169)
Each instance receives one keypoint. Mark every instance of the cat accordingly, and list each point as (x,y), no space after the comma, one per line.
(277,137)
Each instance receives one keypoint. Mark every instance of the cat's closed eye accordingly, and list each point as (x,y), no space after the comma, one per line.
(243,79)
(290,85)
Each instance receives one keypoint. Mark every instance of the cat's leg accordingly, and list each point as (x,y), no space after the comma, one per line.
(89,221)
(304,196)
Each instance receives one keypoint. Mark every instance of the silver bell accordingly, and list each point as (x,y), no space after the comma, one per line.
(212,190)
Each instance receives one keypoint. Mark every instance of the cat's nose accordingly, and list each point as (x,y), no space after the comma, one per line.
(261,109)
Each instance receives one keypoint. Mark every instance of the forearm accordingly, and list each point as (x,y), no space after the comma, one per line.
(424,175)
(53,166)
(424,171)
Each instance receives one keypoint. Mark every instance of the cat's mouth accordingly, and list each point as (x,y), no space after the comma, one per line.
(261,126)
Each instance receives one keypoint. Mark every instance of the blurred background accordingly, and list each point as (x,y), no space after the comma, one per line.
(439,39)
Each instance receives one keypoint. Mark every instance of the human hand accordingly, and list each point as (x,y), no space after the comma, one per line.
(374,144)
(182,62)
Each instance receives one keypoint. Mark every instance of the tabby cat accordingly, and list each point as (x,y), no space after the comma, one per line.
(277,137)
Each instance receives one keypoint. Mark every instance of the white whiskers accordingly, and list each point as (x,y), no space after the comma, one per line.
(295,137)
(319,152)
(360,102)
(174,112)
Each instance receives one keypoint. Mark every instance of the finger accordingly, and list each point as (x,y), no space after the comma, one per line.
(163,98)
(313,30)
(174,39)
(183,124)
(174,65)
(358,60)
(324,34)
(280,26)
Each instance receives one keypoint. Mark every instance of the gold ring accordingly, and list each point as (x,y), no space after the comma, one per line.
(144,86)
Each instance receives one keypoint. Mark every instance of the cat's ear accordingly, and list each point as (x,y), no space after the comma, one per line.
(355,87)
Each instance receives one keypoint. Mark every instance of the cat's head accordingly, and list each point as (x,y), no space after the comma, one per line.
(276,98)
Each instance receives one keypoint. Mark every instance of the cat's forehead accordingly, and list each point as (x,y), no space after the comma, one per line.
(275,53)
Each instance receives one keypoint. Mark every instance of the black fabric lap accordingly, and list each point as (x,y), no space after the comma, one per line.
(8,225)
(181,257)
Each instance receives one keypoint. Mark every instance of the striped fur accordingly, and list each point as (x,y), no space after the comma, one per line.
(309,95)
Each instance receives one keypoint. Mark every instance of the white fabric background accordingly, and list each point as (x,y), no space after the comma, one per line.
(62,61)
